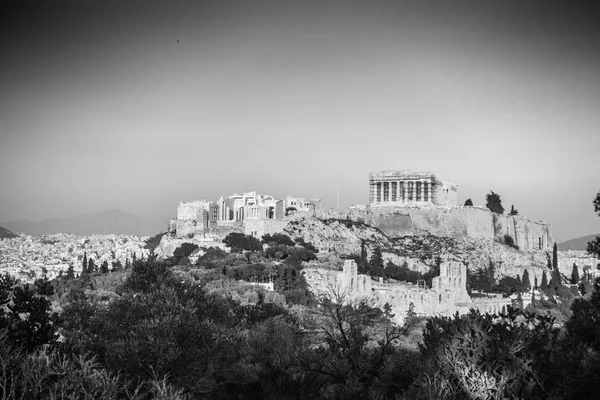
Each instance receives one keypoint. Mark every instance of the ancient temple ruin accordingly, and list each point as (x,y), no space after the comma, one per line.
(394,188)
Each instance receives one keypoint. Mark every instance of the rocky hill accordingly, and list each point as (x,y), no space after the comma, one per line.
(578,243)
(420,252)
(6,234)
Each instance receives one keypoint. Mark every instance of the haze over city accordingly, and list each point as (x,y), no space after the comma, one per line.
(139,105)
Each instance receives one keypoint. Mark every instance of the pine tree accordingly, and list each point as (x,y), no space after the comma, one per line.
(526,282)
(575,275)
(555,256)
(513,211)
(544,281)
(469,203)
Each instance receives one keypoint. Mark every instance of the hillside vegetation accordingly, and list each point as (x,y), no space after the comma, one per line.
(177,329)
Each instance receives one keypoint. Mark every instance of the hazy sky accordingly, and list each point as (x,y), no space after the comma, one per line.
(139,104)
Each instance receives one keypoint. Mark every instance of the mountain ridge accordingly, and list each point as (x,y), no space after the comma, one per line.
(579,243)
(109,221)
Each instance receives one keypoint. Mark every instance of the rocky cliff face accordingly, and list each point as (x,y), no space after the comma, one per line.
(455,222)
(418,251)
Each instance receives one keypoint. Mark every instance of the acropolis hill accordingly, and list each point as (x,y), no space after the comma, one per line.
(401,203)
(412,218)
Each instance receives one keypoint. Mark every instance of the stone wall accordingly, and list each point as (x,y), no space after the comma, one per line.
(582,259)
(260,227)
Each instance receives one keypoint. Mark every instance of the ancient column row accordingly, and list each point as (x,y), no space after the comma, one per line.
(400,191)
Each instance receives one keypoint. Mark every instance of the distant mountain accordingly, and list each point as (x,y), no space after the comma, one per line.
(577,244)
(6,234)
(105,222)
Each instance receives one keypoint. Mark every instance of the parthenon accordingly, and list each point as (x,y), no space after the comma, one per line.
(393,187)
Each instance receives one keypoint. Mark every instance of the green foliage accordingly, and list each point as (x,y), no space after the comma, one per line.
(482,356)
(309,246)
(469,202)
(376,263)
(593,247)
(152,242)
(240,242)
(575,274)
(278,238)
(182,253)
(494,203)
(483,279)
(555,257)
(401,273)
(362,263)
(84,266)
(525,282)
(508,285)
(25,313)
(544,284)
(92,267)
(509,241)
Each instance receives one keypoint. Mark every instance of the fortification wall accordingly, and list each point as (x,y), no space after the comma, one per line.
(260,227)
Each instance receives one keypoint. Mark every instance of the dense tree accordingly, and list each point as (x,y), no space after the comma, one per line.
(469,202)
(362,262)
(238,242)
(70,272)
(376,263)
(484,356)
(92,266)
(513,211)
(25,313)
(84,265)
(575,275)
(104,267)
(544,284)
(525,281)
(483,279)
(593,247)
(494,203)
(555,256)
(117,266)
(535,283)
(184,251)
(278,238)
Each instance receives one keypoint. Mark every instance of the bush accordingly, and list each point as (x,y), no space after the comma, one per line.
(509,241)
(238,242)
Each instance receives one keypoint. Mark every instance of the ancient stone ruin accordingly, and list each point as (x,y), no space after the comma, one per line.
(394,187)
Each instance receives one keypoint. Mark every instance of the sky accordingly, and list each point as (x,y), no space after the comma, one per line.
(140,104)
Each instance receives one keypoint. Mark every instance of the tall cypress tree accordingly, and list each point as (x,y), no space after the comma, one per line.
(84,267)
(544,281)
(526,283)
(362,264)
(575,274)
(535,283)
(555,256)
(376,263)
